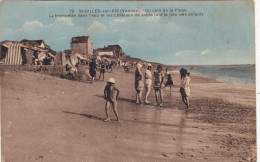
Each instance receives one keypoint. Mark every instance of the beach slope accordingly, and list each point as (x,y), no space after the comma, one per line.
(45,118)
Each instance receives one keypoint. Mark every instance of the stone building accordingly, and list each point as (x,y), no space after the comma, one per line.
(110,50)
(81,45)
(117,50)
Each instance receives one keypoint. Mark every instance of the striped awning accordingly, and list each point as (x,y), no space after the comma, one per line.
(14,55)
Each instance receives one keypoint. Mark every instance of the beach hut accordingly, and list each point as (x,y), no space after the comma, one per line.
(25,52)
(12,53)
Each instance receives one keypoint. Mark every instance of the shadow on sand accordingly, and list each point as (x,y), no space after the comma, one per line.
(126,100)
(121,99)
(85,115)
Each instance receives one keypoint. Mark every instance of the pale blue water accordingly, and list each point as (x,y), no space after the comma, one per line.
(231,73)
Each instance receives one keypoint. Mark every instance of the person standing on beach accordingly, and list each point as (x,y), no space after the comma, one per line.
(181,72)
(169,81)
(107,66)
(148,82)
(111,66)
(102,71)
(139,85)
(93,69)
(111,94)
(67,68)
(185,88)
(158,85)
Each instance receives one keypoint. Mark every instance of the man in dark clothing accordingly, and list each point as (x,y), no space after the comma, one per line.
(102,71)
(93,69)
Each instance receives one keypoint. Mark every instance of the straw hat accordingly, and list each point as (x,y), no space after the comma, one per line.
(111,80)
(149,64)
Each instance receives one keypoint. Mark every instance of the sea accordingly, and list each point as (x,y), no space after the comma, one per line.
(240,74)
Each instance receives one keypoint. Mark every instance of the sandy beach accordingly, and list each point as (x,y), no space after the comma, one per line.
(46,118)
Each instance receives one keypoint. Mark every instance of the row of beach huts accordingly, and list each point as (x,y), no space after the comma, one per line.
(37,52)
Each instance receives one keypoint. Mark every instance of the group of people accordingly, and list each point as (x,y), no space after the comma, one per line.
(104,66)
(111,92)
(148,79)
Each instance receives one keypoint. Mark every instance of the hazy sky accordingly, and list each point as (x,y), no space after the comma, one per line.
(224,35)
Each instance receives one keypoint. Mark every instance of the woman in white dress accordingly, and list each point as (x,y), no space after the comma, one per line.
(185,88)
(148,82)
(139,85)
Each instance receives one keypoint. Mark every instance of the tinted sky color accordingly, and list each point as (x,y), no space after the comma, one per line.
(224,35)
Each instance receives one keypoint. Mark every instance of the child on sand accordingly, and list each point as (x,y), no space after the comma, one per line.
(139,85)
(111,94)
(185,88)
(158,85)
(169,81)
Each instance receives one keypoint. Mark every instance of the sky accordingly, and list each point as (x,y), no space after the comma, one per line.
(223,35)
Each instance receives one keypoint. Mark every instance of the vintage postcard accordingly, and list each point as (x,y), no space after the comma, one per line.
(127,81)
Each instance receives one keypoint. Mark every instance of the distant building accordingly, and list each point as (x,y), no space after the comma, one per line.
(110,50)
(81,45)
(104,52)
(35,44)
(117,50)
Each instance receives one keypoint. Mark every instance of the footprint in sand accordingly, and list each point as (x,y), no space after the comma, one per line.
(39,157)
(165,155)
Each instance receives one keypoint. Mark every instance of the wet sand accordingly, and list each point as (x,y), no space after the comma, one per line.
(45,118)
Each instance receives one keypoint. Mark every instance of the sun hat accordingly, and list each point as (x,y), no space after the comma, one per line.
(111,80)
(149,64)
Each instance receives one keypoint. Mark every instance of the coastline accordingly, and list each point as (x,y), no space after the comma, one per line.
(235,74)
(61,120)
(206,86)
